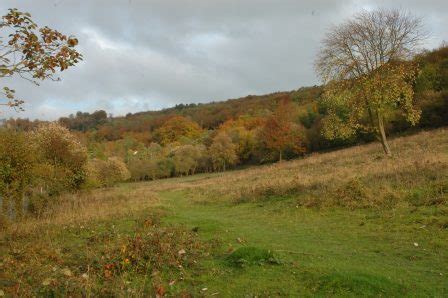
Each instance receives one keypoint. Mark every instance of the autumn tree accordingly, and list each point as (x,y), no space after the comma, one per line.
(222,152)
(280,133)
(364,63)
(106,172)
(150,163)
(31,52)
(175,128)
(186,158)
(84,121)
(243,132)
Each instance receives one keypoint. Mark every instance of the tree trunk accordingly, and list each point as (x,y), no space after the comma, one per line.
(280,156)
(382,135)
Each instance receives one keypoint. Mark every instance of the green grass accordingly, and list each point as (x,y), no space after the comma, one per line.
(333,251)
(325,252)
(333,229)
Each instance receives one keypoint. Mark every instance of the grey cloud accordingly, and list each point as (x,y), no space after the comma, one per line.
(141,55)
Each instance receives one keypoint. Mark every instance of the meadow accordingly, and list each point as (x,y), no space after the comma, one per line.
(351,222)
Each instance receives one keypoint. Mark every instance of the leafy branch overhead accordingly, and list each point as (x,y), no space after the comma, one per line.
(32,53)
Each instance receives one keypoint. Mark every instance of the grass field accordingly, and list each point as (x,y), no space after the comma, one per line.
(345,223)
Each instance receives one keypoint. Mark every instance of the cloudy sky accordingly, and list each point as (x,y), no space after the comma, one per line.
(147,55)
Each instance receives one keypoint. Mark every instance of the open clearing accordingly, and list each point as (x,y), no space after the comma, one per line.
(346,223)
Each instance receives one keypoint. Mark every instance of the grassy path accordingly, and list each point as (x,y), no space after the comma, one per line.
(322,252)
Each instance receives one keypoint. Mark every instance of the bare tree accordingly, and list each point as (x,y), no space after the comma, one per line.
(356,49)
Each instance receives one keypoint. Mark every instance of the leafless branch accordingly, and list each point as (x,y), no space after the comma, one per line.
(367,41)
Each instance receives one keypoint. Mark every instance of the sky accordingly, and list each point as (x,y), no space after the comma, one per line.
(154,54)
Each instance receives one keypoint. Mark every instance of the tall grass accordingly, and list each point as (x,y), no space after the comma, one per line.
(82,207)
(360,176)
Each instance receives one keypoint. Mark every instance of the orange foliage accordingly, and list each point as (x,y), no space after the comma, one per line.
(280,132)
(175,128)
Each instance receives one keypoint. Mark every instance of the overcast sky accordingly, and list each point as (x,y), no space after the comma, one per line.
(147,55)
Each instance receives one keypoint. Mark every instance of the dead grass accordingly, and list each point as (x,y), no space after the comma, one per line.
(359,176)
(88,206)
(92,243)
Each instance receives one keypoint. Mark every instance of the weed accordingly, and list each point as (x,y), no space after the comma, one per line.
(429,195)
(248,255)
(105,262)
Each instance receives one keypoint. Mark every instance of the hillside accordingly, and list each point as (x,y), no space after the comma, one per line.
(433,78)
(211,115)
(347,223)
(107,136)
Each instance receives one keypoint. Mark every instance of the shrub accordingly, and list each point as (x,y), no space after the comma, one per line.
(62,154)
(356,194)
(141,170)
(186,158)
(150,163)
(429,194)
(102,173)
(119,169)
(155,249)
(146,169)
(222,152)
(17,162)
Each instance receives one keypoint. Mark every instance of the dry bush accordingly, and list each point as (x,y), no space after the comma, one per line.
(61,155)
(153,248)
(103,173)
(107,261)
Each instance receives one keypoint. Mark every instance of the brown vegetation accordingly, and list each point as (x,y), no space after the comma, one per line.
(353,177)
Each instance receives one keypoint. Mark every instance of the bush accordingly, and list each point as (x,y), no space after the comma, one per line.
(222,152)
(356,194)
(103,173)
(62,154)
(37,166)
(17,162)
(186,158)
(430,194)
(144,169)
(118,169)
